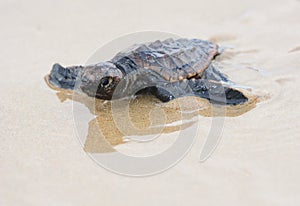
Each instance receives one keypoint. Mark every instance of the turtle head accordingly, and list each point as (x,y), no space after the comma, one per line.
(100,80)
(64,77)
(97,80)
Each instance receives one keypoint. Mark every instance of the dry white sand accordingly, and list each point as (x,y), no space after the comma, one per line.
(42,162)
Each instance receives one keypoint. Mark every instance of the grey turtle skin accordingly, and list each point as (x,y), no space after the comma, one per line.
(166,69)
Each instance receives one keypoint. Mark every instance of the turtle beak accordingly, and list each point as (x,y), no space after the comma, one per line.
(63,77)
(58,69)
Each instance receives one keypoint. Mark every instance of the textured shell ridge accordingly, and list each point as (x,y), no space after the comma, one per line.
(173,59)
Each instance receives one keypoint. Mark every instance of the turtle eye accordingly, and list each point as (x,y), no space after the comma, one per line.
(105,81)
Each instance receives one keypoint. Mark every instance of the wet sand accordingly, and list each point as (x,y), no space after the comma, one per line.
(257,159)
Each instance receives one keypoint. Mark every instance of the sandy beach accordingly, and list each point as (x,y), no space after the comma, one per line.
(42,162)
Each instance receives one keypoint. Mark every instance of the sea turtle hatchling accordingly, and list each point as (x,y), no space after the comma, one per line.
(167,69)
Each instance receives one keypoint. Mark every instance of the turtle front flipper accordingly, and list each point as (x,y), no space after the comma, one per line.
(216,87)
(211,90)
(162,94)
(216,93)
